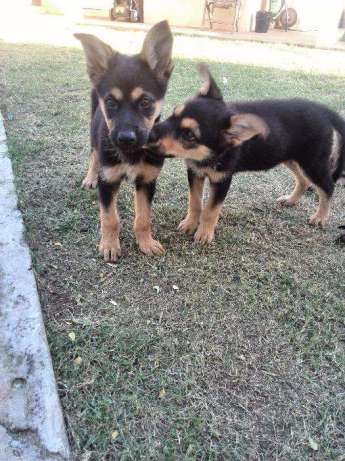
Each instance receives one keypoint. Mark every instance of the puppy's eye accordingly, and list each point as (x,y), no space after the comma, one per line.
(145,102)
(111,104)
(189,136)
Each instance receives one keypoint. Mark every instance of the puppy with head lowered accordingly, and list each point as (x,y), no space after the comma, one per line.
(218,140)
(126,101)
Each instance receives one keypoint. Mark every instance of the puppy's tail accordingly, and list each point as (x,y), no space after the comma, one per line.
(338,167)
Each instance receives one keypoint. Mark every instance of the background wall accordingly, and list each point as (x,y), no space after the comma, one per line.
(317,15)
(178,12)
(320,15)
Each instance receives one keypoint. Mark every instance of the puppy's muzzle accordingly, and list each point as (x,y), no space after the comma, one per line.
(127,138)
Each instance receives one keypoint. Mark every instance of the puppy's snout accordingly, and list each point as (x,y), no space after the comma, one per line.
(127,138)
(153,137)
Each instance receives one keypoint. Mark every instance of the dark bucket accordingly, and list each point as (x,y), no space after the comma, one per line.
(263,19)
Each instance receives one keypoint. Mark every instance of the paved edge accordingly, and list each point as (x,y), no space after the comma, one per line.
(31,421)
(195,32)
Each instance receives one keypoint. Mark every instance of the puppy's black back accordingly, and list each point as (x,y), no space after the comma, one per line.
(299,130)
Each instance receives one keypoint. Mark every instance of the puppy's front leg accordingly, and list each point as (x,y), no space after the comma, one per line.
(196,187)
(91,178)
(143,197)
(109,245)
(210,214)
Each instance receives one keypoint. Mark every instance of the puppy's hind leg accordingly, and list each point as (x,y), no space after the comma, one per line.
(321,216)
(320,175)
(210,214)
(341,180)
(91,178)
(302,183)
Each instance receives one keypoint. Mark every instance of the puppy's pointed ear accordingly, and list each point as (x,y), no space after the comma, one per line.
(244,127)
(157,49)
(209,88)
(97,55)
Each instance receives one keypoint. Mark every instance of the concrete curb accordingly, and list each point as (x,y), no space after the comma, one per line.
(31,421)
(234,36)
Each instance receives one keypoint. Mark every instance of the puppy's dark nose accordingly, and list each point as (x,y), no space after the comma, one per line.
(127,138)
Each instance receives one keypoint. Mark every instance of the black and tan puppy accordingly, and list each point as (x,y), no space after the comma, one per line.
(126,102)
(219,139)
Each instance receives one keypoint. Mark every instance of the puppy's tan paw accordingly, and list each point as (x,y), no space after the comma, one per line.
(188,225)
(110,250)
(89,182)
(341,181)
(318,220)
(286,200)
(204,235)
(150,246)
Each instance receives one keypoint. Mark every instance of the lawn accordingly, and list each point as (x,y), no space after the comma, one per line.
(234,351)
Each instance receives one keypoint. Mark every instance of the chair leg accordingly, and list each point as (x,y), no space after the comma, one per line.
(237,15)
(209,16)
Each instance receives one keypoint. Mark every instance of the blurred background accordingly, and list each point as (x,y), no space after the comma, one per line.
(307,21)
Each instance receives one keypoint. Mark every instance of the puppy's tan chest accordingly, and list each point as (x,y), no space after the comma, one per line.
(212,174)
(142,170)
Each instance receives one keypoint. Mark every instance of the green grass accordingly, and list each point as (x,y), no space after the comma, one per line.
(50,7)
(246,359)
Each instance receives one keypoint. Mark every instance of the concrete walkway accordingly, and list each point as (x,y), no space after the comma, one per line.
(291,37)
(31,422)
(31,26)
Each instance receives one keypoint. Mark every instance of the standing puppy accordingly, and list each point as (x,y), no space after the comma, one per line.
(218,140)
(126,102)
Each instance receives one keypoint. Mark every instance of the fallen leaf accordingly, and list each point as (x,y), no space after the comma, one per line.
(71,336)
(114,435)
(162,393)
(86,456)
(77,361)
(105,277)
(313,445)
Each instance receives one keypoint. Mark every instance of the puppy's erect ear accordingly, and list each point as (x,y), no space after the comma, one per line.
(244,127)
(157,49)
(97,55)
(209,87)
